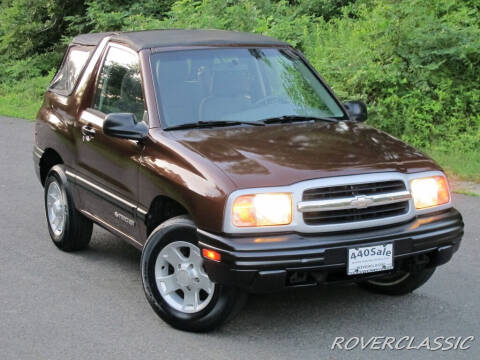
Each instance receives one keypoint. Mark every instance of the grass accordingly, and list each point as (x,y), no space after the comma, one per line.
(466,192)
(23,99)
(462,165)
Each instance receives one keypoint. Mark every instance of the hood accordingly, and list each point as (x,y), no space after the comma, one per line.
(284,154)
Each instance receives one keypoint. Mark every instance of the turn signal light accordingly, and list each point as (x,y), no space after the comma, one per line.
(211,255)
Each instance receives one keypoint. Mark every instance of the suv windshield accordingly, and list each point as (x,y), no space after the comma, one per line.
(238,84)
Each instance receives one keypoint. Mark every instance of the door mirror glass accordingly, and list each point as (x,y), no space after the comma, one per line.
(125,126)
(357,110)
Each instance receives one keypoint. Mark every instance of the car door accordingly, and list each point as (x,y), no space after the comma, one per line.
(107,179)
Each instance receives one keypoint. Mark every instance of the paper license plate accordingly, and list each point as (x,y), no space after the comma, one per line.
(367,259)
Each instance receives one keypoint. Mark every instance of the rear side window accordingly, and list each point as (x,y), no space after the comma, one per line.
(72,65)
(119,85)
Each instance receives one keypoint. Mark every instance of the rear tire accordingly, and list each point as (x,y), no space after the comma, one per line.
(68,228)
(400,283)
(172,270)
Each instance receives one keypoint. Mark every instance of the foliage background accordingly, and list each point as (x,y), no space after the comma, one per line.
(415,63)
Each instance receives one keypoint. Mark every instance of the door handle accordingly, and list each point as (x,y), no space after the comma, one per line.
(88,133)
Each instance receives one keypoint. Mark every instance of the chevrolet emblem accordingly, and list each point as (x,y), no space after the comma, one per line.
(361,201)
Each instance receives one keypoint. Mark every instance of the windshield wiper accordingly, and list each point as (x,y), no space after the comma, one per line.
(200,124)
(294,118)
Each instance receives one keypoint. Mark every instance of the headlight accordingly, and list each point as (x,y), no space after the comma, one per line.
(262,210)
(430,191)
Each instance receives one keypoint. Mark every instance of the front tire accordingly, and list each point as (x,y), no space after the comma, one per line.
(400,283)
(69,229)
(175,282)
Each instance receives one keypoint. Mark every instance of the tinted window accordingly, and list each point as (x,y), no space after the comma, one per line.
(70,70)
(119,86)
(237,84)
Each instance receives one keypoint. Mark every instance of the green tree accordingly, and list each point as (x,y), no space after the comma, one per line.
(34,27)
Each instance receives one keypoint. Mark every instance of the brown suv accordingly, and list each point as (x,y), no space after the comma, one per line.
(228,161)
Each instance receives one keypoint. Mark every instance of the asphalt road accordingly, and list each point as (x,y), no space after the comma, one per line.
(90,305)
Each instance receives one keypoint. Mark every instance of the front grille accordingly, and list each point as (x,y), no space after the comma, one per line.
(344,191)
(351,215)
(341,216)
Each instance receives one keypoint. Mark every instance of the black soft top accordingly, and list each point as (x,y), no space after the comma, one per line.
(139,40)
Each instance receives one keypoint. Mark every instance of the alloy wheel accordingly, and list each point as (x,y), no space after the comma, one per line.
(56,208)
(181,278)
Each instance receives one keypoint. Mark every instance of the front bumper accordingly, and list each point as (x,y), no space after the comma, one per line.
(275,262)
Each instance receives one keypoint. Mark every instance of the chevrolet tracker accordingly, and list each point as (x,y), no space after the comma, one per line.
(233,167)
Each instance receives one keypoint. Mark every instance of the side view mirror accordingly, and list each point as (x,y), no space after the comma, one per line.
(124,125)
(357,110)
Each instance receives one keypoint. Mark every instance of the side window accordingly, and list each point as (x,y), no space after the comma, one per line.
(72,65)
(119,86)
